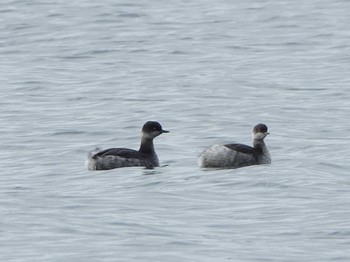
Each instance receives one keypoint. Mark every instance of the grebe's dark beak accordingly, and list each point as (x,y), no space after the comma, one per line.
(164,131)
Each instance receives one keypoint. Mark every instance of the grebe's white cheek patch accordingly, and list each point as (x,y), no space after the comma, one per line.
(259,136)
(146,135)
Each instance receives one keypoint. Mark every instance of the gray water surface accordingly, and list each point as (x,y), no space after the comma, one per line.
(76,75)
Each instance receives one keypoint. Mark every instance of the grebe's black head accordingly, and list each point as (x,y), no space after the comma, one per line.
(152,129)
(260,131)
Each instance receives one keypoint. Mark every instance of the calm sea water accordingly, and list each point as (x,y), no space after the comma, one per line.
(78,74)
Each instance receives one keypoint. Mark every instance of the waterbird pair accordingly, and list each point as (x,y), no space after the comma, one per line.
(216,156)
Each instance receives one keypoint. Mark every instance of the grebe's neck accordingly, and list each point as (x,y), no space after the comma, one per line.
(147,145)
(259,144)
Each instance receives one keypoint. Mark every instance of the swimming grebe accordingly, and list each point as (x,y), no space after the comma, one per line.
(238,155)
(123,157)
